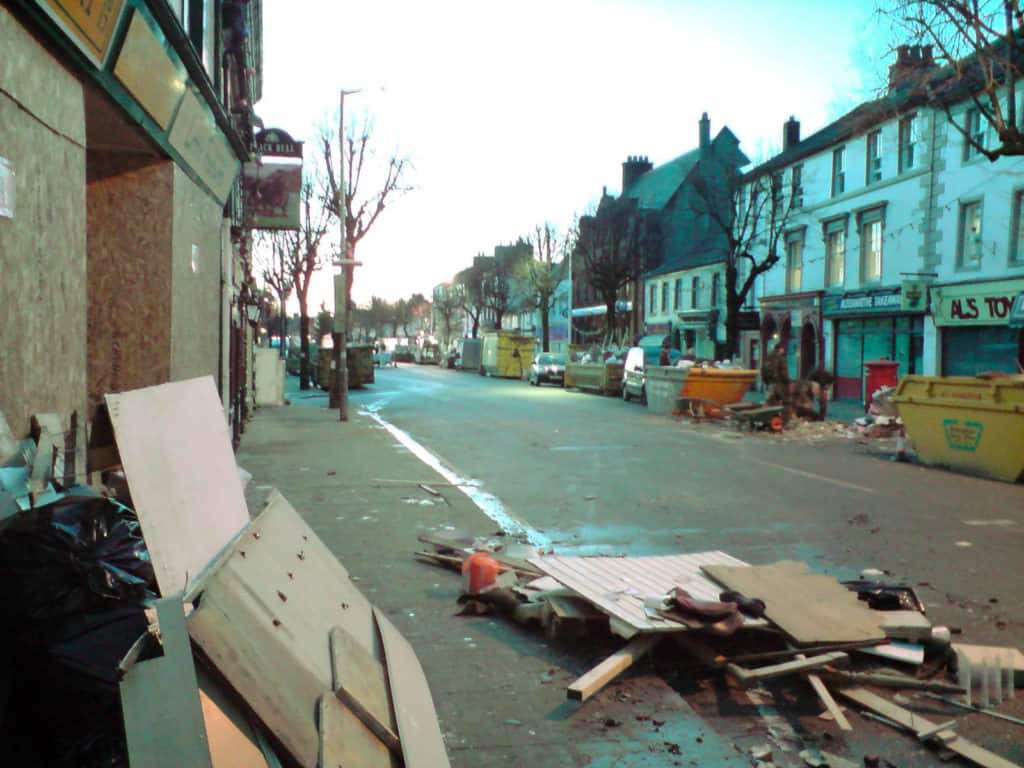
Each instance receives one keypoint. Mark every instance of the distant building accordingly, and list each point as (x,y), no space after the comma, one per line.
(908,244)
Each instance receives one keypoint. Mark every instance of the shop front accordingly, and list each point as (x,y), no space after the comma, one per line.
(696,329)
(975,329)
(873,325)
(793,320)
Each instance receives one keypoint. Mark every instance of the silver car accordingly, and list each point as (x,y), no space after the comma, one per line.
(548,367)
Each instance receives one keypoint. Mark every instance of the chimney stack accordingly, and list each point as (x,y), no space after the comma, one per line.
(705,132)
(634,167)
(913,63)
(790,133)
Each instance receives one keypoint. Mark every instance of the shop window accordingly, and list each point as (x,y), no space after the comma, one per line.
(794,264)
(873,172)
(835,256)
(838,171)
(871,251)
(969,250)
(970,350)
(908,128)
(664,296)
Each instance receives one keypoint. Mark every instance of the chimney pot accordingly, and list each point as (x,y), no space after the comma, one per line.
(705,131)
(790,133)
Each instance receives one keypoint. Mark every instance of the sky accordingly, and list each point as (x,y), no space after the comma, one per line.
(516,114)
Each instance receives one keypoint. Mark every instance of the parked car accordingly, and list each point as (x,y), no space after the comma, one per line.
(634,376)
(402,354)
(548,367)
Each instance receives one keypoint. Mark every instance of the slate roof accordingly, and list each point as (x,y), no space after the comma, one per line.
(700,253)
(655,188)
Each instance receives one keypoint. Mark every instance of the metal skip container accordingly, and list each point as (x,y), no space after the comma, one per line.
(506,354)
(965,423)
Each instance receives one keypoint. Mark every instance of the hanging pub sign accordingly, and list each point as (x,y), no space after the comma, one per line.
(89,25)
(272,182)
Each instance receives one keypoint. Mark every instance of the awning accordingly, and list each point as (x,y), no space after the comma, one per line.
(600,309)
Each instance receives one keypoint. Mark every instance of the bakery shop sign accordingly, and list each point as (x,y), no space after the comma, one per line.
(977,304)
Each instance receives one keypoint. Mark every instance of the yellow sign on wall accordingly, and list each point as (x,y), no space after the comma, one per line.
(150,72)
(89,23)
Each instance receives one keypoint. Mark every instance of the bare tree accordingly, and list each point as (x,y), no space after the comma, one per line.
(542,273)
(749,215)
(419,311)
(982,46)
(613,245)
(447,304)
(303,256)
(472,291)
(273,264)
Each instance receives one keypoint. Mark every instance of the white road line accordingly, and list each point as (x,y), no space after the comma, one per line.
(813,476)
(488,503)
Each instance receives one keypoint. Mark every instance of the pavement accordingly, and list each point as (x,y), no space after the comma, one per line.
(499,688)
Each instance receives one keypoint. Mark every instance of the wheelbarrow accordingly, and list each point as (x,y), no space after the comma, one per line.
(746,415)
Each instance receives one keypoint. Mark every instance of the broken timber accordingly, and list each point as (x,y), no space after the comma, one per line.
(825,697)
(610,668)
(747,677)
(920,725)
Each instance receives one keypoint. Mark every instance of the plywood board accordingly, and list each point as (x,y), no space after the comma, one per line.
(163,718)
(176,451)
(264,620)
(809,607)
(422,743)
(617,586)
(362,686)
(234,742)
(345,742)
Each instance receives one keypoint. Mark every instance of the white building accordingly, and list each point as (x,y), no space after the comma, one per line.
(906,244)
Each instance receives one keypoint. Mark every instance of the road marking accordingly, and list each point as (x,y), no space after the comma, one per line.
(999,521)
(488,503)
(588,448)
(813,476)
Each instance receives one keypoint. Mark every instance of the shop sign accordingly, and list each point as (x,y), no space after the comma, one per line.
(864,303)
(196,136)
(1017,312)
(150,72)
(270,192)
(975,304)
(90,24)
(274,141)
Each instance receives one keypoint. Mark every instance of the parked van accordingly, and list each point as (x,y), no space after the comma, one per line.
(638,360)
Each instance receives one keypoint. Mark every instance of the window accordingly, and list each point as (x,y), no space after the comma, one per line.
(777,194)
(794,263)
(970,235)
(838,171)
(796,190)
(1017,236)
(716,288)
(664,297)
(907,141)
(871,251)
(694,293)
(835,255)
(975,129)
(679,293)
(652,300)
(874,158)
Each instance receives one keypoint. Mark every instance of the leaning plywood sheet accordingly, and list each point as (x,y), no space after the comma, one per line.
(176,451)
(618,585)
(264,620)
(163,719)
(809,607)
(422,743)
(234,741)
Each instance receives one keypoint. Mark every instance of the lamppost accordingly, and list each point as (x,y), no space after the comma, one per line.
(339,355)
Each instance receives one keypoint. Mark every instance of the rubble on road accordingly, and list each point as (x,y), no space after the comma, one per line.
(751,624)
(148,621)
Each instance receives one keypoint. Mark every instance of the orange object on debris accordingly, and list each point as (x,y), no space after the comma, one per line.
(479,572)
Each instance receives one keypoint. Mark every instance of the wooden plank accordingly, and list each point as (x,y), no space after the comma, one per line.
(176,451)
(916,723)
(345,742)
(422,743)
(360,683)
(894,681)
(809,607)
(748,676)
(597,678)
(264,621)
(905,625)
(826,699)
(163,717)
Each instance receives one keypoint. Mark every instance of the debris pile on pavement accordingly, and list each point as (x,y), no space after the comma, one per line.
(147,621)
(752,624)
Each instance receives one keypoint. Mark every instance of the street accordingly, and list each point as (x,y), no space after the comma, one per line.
(597,475)
(587,474)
